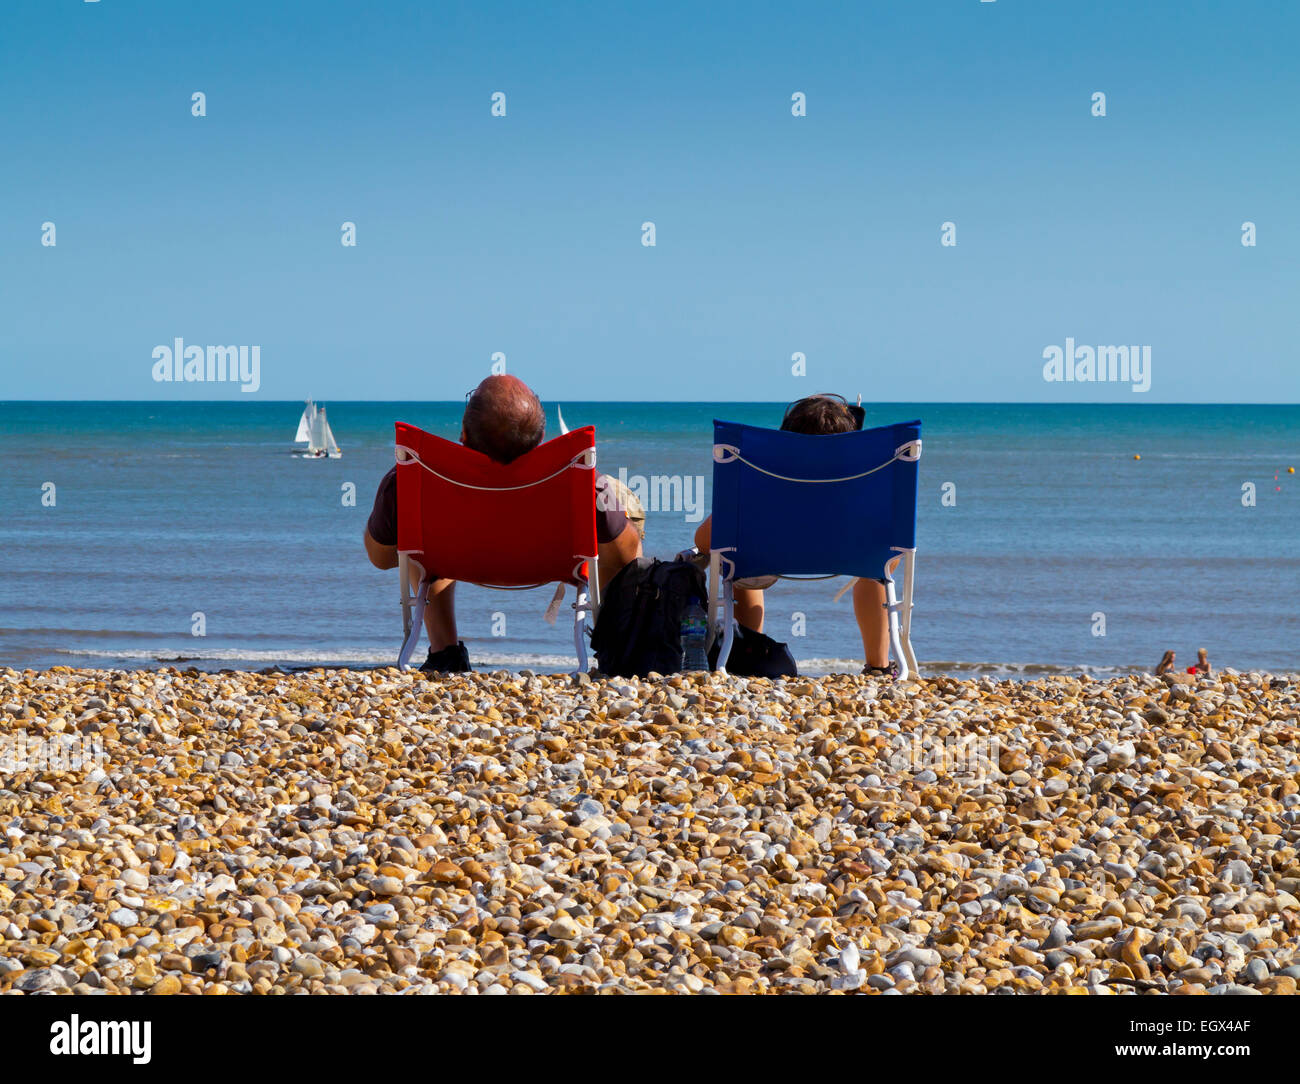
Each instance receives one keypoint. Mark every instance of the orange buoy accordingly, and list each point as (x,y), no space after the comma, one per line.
(1137,457)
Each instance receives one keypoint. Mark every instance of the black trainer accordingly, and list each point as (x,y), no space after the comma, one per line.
(452,659)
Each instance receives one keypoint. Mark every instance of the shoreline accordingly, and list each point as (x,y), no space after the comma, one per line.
(558,665)
(375,831)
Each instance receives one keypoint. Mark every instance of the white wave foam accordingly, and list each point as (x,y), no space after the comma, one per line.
(982,669)
(350,657)
(312,657)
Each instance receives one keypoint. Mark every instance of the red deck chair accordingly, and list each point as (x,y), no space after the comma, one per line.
(459,516)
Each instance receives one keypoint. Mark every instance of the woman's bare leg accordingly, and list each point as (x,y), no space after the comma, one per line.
(873,620)
(749,608)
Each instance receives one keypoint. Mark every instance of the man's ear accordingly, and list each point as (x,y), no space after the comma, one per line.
(462,434)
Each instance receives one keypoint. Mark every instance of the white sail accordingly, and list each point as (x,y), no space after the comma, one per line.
(316,444)
(331,448)
(304,424)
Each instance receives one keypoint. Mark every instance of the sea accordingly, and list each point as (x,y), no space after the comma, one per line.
(1080,539)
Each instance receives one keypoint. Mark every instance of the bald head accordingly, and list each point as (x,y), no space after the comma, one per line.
(503,419)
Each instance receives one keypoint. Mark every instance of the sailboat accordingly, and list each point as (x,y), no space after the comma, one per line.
(314,431)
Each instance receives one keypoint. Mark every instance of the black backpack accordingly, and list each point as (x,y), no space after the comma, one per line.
(640,621)
(755,655)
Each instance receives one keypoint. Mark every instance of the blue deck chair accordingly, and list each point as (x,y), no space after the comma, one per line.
(792,504)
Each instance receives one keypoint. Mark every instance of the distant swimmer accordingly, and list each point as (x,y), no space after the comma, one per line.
(1166,664)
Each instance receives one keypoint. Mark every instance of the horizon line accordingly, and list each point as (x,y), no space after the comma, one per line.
(689,402)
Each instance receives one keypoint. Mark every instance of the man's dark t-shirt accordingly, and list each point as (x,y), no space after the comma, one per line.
(382,525)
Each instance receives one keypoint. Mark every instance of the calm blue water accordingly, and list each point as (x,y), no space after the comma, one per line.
(165,510)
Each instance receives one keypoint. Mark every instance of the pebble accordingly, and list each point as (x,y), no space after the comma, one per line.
(1255,972)
(563,929)
(1058,935)
(1099,929)
(40,979)
(915,957)
(850,959)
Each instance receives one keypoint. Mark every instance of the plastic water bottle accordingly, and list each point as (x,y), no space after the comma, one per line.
(695,633)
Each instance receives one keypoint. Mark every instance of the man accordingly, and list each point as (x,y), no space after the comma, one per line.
(821,415)
(503,419)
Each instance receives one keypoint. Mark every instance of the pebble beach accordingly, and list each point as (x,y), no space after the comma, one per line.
(377,831)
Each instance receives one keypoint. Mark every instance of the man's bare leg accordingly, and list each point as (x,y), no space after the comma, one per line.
(440,615)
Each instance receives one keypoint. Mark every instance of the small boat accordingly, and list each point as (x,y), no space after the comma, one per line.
(314,431)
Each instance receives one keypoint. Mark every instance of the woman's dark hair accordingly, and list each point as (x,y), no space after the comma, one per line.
(820,415)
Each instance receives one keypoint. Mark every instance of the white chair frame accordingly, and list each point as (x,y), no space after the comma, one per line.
(722,619)
(586,606)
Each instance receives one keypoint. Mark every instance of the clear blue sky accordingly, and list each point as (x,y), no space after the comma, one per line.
(775,234)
